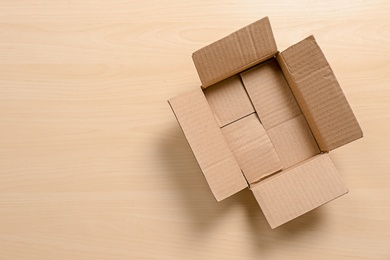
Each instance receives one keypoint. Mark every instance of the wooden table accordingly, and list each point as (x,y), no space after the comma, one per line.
(94,166)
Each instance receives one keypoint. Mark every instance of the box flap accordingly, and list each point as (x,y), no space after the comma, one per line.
(293,192)
(203,134)
(252,148)
(270,94)
(228,100)
(293,141)
(319,95)
(235,52)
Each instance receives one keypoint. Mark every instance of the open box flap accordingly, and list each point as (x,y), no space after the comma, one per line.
(319,95)
(234,53)
(208,144)
(297,190)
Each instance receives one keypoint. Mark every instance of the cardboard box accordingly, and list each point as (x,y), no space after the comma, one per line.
(266,120)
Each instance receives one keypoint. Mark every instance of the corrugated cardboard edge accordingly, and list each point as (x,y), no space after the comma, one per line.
(322,101)
(236,52)
(298,190)
(208,144)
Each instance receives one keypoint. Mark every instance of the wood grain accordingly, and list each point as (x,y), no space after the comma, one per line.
(94,166)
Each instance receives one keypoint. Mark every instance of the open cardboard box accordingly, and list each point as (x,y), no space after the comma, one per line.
(266,120)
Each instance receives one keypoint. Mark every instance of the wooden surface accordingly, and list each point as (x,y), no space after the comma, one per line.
(94,166)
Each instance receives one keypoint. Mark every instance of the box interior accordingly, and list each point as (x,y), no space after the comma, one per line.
(261,121)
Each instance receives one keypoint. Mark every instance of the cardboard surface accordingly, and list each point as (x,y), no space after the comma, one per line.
(278,114)
(319,95)
(252,148)
(270,94)
(228,100)
(205,138)
(234,53)
(293,192)
(293,141)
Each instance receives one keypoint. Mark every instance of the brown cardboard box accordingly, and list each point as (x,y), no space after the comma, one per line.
(266,120)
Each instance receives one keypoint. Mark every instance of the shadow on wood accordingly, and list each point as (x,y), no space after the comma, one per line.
(204,211)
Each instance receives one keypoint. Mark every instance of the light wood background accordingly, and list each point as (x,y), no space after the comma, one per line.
(94,166)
